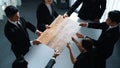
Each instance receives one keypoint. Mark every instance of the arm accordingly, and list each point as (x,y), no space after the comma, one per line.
(52,61)
(71,54)
(76,42)
(33,29)
(79,35)
(27,24)
(93,25)
(79,45)
(74,6)
(41,14)
(55,13)
(102,7)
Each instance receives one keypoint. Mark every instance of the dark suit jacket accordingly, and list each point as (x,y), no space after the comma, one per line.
(19,39)
(105,44)
(85,60)
(90,9)
(44,17)
(50,63)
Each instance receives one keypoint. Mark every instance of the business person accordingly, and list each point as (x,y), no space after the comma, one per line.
(45,14)
(52,61)
(86,57)
(16,31)
(90,9)
(110,34)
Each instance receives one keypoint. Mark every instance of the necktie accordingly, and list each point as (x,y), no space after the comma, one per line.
(22,29)
(20,26)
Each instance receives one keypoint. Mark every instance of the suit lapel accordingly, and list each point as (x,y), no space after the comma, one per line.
(23,28)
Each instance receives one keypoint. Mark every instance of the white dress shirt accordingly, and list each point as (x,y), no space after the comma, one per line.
(49,8)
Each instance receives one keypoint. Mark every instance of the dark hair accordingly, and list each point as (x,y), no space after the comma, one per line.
(10,11)
(114,16)
(87,44)
(20,63)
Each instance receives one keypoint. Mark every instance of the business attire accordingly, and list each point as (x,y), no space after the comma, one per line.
(18,37)
(85,60)
(105,44)
(50,63)
(90,9)
(45,15)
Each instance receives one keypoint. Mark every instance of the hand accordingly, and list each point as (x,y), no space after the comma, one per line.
(56,53)
(38,33)
(36,42)
(75,41)
(83,24)
(79,35)
(65,15)
(68,45)
(47,26)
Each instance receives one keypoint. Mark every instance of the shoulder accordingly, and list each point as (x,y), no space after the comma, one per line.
(9,27)
(22,19)
(41,5)
(8,24)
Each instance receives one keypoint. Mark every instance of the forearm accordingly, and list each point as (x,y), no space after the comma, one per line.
(31,27)
(50,63)
(71,56)
(73,7)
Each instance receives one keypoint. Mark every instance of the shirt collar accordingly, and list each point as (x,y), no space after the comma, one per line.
(47,4)
(110,27)
(15,23)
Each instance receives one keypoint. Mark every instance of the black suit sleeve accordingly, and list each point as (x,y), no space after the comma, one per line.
(50,63)
(28,25)
(55,14)
(102,8)
(74,6)
(97,25)
(101,26)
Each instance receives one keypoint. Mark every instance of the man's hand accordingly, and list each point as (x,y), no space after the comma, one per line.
(79,35)
(47,27)
(83,24)
(75,41)
(68,45)
(56,53)
(65,15)
(38,33)
(36,42)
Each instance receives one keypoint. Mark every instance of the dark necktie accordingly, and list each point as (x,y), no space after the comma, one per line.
(20,26)
(22,29)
